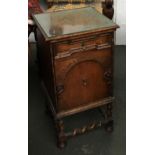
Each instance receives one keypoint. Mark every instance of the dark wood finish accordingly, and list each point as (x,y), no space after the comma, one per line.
(50,3)
(107,8)
(62,138)
(77,73)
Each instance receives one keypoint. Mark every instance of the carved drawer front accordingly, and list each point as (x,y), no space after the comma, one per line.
(83,78)
(84,43)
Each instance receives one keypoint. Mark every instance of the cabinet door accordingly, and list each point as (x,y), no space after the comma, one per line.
(83,78)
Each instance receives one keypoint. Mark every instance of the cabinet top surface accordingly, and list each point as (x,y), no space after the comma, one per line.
(68,22)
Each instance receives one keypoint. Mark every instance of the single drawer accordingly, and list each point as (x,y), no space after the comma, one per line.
(87,43)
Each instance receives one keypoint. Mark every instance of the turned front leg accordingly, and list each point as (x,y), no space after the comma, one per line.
(61,134)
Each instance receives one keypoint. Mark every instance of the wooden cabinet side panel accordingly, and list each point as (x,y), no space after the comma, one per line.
(46,65)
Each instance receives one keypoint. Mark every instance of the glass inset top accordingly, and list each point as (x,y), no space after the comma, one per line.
(71,21)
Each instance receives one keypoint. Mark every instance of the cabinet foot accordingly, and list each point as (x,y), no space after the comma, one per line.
(109,126)
(61,143)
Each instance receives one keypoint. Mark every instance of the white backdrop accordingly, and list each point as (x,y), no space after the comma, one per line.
(120,19)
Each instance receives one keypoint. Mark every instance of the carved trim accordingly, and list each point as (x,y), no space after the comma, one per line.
(76,62)
(82,49)
(103,46)
(108,75)
(86,128)
(72,66)
(59,89)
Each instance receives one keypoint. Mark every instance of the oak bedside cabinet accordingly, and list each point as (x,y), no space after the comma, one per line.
(75,52)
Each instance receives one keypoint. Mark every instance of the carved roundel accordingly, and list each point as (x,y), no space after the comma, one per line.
(84,83)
